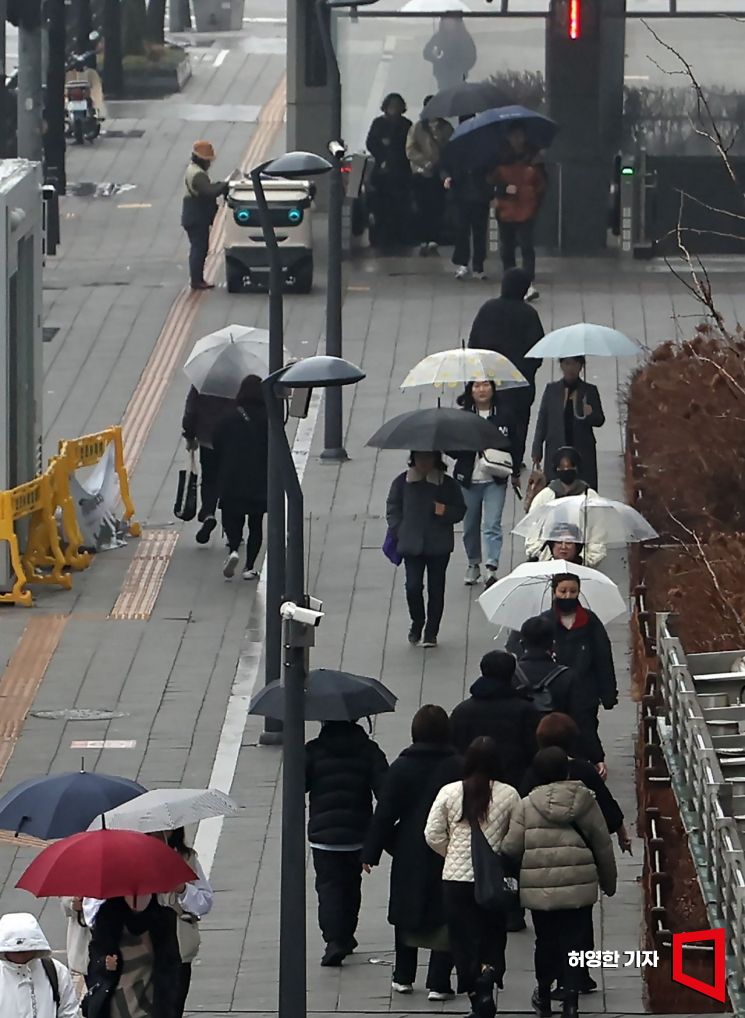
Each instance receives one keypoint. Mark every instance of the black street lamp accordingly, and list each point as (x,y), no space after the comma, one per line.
(291,165)
(315,372)
(333,441)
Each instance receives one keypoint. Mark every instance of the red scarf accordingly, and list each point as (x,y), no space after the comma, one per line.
(581,619)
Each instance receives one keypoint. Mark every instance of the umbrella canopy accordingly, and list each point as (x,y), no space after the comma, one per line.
(613,523)
(329,696)
(219,362)
(456,367)
(463,99)
(527,592)
(105,864)
(585,340)
(433,430)
(58,805)
(479,143)
(166,809)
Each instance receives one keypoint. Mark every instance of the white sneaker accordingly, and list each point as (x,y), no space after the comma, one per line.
(436,995)
(231,564)
(250,574)
(402,987)
(480,275)
(473,575)
(532,294)
(461,272)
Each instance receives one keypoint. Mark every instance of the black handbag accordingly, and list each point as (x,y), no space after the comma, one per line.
(494,890)
(185,506)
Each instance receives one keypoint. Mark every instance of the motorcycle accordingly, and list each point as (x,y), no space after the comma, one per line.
(83,100)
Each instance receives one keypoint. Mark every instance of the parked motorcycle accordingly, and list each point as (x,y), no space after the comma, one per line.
(84,108)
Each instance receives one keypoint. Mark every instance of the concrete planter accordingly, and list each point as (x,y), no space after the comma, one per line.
(155,80)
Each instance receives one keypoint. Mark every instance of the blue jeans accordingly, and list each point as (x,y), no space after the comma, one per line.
(484,505)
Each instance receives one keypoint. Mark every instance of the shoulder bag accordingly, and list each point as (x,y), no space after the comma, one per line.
(493,889)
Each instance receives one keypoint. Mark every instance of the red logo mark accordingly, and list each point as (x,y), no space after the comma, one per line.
(717,990)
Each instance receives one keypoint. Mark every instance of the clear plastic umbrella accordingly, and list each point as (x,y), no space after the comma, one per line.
(585,340)
(591,516)
(220,361)
(526,592)
(166,809)
(454,368)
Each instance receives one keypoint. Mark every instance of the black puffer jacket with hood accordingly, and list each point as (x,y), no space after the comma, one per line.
(510,326)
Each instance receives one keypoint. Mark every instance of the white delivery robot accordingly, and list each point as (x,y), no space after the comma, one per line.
(246,258)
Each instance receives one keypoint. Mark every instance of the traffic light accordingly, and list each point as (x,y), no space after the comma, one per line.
(574,20)
(24,13)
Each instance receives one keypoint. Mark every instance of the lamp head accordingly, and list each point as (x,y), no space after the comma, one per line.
(296,166)
(321,372)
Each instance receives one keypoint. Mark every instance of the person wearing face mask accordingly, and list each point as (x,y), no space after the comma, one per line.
(569,413)
(582,644)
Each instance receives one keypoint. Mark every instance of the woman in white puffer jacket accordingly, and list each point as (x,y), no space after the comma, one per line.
(477,937)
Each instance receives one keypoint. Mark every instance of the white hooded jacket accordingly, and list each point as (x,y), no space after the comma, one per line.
(25,990)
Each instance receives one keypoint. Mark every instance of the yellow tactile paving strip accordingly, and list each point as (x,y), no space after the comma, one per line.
(145,575)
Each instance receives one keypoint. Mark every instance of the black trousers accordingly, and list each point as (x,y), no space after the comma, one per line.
(339,891)
(520,403)
(184,982)
(513,236)
(471,225)
(430,204)
(586,719)
(233,521)
(438,971)
(556,934)
(209,465)
(391,208)
(435,567)
(199,245)
(477,937)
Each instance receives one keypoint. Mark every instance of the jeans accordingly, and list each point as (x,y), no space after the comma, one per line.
(208,468)
(430,204)
(556,934)
(478,936)
(513,236)
(471,221)
(438,971)
(484,505)
(339,890)
(199,245)
(233,521)
(436,568)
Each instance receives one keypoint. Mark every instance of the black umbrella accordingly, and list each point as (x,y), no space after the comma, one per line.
(462,99)
(434,429)
(479,143)
(329,696)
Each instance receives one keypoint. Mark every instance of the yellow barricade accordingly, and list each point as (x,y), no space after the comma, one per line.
(88,450)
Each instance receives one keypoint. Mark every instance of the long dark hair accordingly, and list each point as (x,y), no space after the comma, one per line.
(466,397)
(177,841)
(249,393)
(480,768)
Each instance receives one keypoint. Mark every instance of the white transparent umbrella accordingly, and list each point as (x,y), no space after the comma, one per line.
(601,519)
(585,340)
(526,592)
(454,368)
(220,361)
(165,809)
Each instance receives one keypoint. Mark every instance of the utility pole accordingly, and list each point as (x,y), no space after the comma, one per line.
(5,123)
(54,137)
(30,94)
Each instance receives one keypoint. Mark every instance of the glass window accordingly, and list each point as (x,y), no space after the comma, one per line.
(707,6)
(647,6)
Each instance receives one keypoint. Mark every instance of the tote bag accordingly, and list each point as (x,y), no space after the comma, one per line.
(185,506)
(493,889)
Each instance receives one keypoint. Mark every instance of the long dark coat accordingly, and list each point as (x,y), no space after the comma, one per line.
(410,788)
(241,443)
(550,429)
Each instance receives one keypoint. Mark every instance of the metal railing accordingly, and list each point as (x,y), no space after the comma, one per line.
(702,733)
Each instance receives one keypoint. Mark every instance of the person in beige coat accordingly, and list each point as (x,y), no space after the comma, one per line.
(561,840)
(478,937)
(424,144)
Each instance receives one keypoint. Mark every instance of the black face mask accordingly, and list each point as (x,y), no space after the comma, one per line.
(566,605)
(568,476)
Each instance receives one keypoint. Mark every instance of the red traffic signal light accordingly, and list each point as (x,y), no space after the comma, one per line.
(574,21)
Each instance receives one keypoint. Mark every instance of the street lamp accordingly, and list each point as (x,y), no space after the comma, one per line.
(333,442)
(290,165)
(315,372)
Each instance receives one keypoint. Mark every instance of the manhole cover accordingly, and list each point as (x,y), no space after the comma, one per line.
(135,132)
(82,714)
(107,189)
(49,332)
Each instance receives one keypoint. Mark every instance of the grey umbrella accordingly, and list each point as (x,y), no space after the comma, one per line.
(329,696)
(463,99)
(434,429)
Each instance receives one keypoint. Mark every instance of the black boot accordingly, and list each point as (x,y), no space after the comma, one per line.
(483,1002)
(570,1007)
(541,1001)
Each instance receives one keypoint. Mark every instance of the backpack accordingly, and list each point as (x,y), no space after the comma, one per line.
(50,970)
(540,694)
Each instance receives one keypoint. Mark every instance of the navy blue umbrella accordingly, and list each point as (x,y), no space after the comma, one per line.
(59,805)
(480,142)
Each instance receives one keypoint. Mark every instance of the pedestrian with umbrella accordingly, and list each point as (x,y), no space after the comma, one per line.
(241,447)
(569,413)
(424,144)
(472,193)
(451,51)
(202,416)
(463,99)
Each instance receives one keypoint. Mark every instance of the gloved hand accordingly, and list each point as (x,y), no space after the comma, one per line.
(609,702)
(191,444)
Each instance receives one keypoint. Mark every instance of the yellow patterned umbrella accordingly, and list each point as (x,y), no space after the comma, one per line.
(454,368)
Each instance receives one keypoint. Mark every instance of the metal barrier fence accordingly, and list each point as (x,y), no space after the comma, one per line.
(702,734)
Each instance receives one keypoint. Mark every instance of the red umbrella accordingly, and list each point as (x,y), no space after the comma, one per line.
(105,864)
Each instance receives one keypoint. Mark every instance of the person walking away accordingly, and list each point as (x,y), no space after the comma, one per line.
(344,769)
(478,936)
(415,908)
(566,465)
(581,643)
(202,417)
(33,984)
(423,506)
(483,478)
(135,965)
(472,194)
(520,179)
(550,686)
(510,326)
(241,447)
(391,176)
(560,838)
(77,942)
(199,209)
(569,413)
(451,51)
(424,144)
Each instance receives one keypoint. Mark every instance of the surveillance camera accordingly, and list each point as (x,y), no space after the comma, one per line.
(292,612)
(337,149)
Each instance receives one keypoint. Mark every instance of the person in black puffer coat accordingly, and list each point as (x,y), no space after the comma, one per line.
(344,769)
